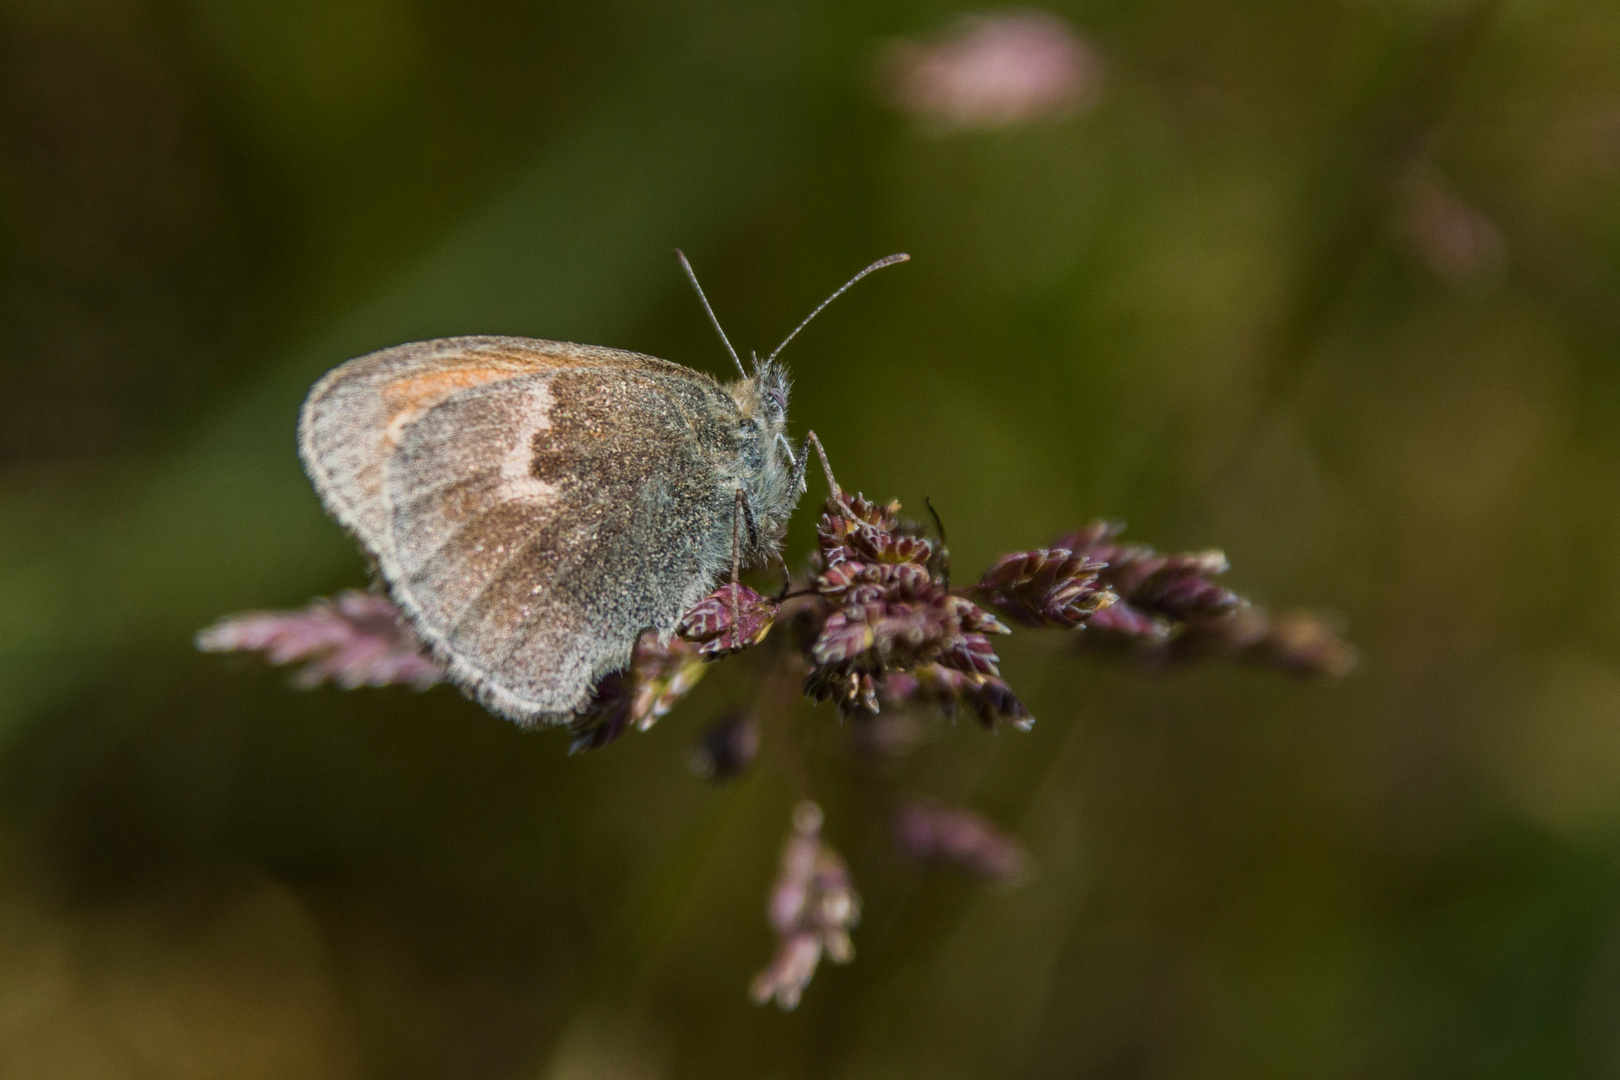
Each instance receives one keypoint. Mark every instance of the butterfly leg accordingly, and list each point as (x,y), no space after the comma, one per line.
(751,523)
(787,577)
(804,459)
(800,461)
(736,566)
(944,553)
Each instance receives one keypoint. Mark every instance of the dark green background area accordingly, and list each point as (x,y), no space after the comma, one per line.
(1213,306)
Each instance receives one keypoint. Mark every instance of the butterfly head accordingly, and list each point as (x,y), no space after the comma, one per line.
(766,465)
(762,398)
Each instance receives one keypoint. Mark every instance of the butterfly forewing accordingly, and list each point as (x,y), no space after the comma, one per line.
(353,418)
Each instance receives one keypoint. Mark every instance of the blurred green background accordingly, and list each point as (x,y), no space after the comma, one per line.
(1332,286)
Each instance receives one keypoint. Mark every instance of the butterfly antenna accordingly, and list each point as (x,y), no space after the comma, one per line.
(692,277)
(880,264)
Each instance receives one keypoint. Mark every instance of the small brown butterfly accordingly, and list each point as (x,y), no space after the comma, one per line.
(535,506)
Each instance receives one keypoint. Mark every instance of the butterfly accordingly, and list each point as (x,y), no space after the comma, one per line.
(534,507)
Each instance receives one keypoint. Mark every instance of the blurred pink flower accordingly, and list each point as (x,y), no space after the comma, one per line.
(992,71)
(812,906)
(1457,242)
(359,639)
(929,831)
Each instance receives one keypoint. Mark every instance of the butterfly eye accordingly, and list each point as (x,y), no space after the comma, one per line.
(777,397)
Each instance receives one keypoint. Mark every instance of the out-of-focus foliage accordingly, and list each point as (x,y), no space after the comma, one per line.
(1331,286)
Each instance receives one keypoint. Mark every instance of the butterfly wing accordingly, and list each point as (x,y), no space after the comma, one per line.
(532,506)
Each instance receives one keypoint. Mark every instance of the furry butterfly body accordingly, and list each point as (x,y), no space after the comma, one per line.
(535,506)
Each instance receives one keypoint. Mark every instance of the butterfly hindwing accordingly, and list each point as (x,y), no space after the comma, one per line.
(533,506)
